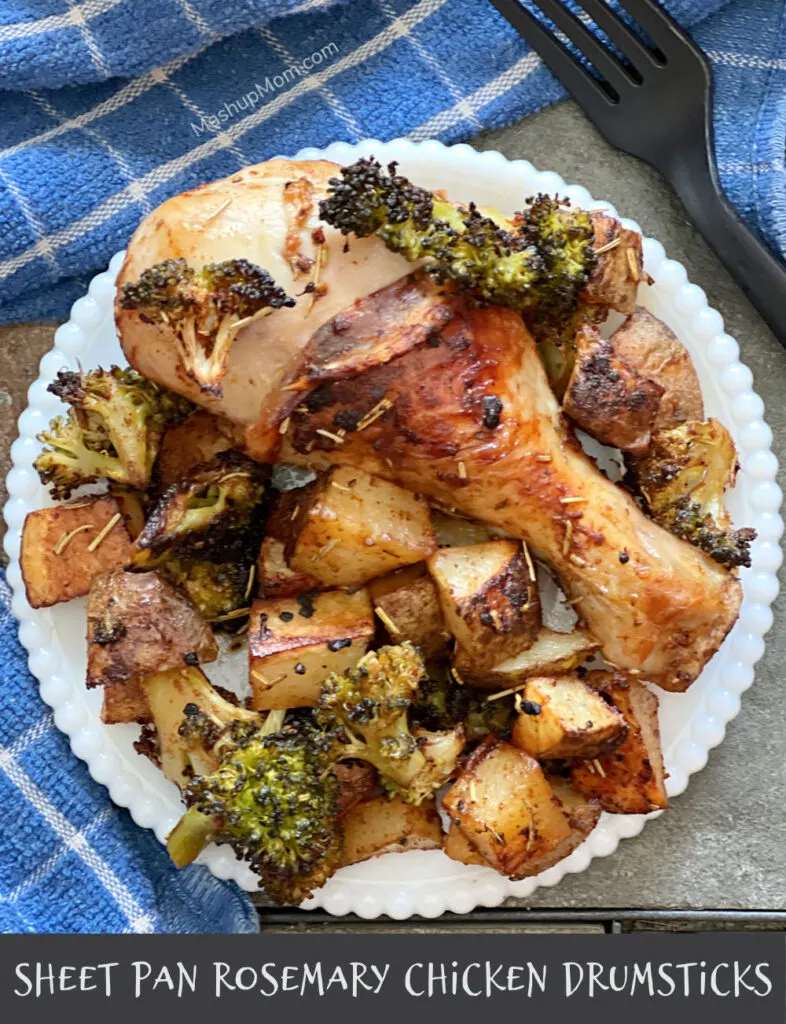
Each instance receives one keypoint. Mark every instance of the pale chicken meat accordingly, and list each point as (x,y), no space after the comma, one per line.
(269,215)
(468,419)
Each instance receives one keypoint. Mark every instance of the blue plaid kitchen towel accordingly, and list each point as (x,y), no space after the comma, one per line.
(110,106)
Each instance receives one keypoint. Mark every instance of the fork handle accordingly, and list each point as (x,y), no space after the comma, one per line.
(760,275)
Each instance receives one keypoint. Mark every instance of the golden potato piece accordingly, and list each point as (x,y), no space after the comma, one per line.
(631,779)
(356,527)
(138,624)
(407,603)
(551,653)
(456,846)
(564,717)
(619,269)
(56,561)
(655,351)
(489,599)
(382,826)
(124,702)
(504,805)
(583,815)
(295,643)
(608,398)
(190,443)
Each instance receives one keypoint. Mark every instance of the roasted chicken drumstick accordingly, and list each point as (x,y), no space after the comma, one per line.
(467,417)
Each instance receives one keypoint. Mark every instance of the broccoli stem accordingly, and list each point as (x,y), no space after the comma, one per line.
(189,837)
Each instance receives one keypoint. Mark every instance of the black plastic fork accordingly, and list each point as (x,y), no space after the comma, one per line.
(657,105)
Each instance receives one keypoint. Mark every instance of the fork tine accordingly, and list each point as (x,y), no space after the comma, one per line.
(634,48)
(655,22)
(585,88)
(587,43)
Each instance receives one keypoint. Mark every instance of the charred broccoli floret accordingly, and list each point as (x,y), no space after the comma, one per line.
(442,704)
(211,511)
(486,717)
(220,591)
(272,794)
(112,430)
(274,800)
(204,535)
(683,477)
(205,308)
(367,711)
(542,257)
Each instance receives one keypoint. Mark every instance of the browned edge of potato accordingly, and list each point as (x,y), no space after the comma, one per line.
(630,779)
(407,604)
(608,398)
(380,826)
(505,806)
(563,716)
(294,643)
(489,598)
(551,653)
(654,350)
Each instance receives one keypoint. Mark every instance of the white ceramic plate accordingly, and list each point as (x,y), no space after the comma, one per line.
(692,724)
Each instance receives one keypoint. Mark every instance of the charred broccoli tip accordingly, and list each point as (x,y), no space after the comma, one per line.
(112,430)
(682,479)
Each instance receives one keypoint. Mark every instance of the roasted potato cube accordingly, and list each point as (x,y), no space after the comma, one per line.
(381,826)
(456,846)
(190,443)
(275,578)
(407,603)
(550,654)
(631,779)
(563,716)
(295,643)
(654,350)
(619,269)
(453,531)
(583,815)
(138,624)
(357,781)
(65,547)
(504,805)
(608,398)
(124,702)
(489,598)
(356,527)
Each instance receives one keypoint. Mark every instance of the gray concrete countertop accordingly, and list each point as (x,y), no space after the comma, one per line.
(723,844)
